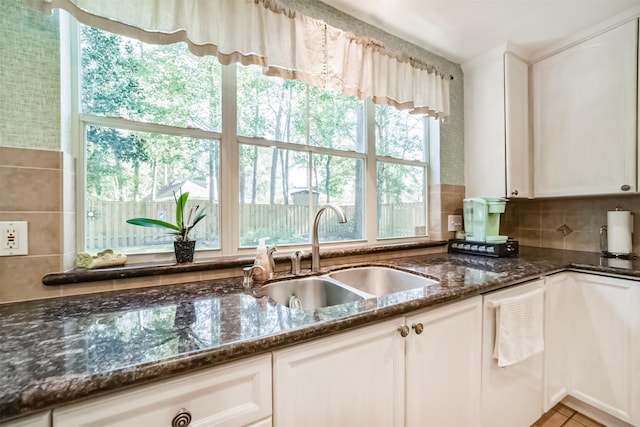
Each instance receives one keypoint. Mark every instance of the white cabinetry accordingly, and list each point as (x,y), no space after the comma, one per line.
(511,396)
(39,420)
(606,330)
(353,379)
(368,377)
(496,110)
(557,334)
(584,114)
(443,366)
(237,394)
(593,343)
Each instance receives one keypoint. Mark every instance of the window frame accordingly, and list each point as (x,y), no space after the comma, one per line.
(229,166)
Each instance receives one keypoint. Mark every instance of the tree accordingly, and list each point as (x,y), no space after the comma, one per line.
(160,84)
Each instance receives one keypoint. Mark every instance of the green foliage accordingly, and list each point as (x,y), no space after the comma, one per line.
(126,78)
(168,85)
(183,224)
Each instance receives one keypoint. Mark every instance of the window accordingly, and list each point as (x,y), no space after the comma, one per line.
(152,120)
(282,185)
(401,172)
(138,102)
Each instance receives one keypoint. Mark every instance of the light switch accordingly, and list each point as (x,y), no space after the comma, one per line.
(14,238)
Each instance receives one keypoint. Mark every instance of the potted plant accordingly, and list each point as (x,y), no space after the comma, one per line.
(183,246)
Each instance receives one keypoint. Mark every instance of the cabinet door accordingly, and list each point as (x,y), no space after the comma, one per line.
(497,148)
(231,395)
(604,360)
(557,337)
(39,420)
(443,366)
(353,379)
(585,116)
(484,132)
(516,113)
(511,396)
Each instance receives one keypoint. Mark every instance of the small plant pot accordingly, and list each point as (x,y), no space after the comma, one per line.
(184,251)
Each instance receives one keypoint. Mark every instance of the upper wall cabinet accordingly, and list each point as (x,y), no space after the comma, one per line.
(585,117)
(497,150)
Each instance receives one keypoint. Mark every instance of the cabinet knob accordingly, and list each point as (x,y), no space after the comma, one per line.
(182,419)
(625,187)
(404,330)
(514,193)
(418,327)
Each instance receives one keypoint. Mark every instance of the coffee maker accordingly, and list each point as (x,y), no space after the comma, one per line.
(482,229)
(482,219)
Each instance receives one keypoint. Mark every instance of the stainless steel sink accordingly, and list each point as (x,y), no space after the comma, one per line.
(380,281)
(310,293)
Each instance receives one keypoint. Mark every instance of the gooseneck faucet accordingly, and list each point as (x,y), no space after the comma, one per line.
(315,244)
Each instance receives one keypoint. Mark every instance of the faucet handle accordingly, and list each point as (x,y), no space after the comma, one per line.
(272,263)
(247,275)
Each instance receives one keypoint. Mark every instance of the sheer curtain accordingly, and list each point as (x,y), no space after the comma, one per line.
(287,44)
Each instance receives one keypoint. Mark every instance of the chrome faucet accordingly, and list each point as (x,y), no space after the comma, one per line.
(296,261)
(315,245)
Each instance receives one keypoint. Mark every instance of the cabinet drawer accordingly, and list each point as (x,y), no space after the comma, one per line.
(229,395)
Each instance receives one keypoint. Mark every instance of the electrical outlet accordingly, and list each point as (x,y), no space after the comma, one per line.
(14,238)
(454,223)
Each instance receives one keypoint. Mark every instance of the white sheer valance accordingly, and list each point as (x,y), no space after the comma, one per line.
(287,44)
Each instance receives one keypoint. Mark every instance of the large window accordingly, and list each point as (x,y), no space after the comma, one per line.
(152,120)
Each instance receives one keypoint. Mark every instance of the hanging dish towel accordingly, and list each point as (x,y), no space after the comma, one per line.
(519,325)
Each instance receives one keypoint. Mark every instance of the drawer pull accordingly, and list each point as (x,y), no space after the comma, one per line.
(404,330)
(182,419)
(418,327)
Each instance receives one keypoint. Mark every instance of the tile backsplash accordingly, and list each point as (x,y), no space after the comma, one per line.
(566,223)
(31,190)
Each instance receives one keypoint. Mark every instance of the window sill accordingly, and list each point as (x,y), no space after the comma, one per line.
(142,270)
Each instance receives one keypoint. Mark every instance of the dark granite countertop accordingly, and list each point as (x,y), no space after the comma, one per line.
(61,350)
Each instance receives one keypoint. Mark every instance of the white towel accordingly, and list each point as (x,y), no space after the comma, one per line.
(519,326)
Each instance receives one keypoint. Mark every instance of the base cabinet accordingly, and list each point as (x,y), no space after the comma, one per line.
(512,395)
(557,333)
(238,394)
(596,343)
(352,379)
(605,330)
(376,377)
(443,366)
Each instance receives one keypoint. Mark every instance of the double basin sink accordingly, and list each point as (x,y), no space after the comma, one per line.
(343,286)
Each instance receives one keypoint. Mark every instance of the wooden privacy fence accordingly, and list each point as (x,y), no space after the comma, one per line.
(106,226)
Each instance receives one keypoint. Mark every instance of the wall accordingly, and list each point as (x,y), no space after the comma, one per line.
(30,79)
(32,191)
(37,176)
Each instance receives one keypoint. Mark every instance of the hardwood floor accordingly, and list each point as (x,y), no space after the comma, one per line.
(563,416)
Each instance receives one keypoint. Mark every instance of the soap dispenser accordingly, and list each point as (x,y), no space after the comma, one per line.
(262,259)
